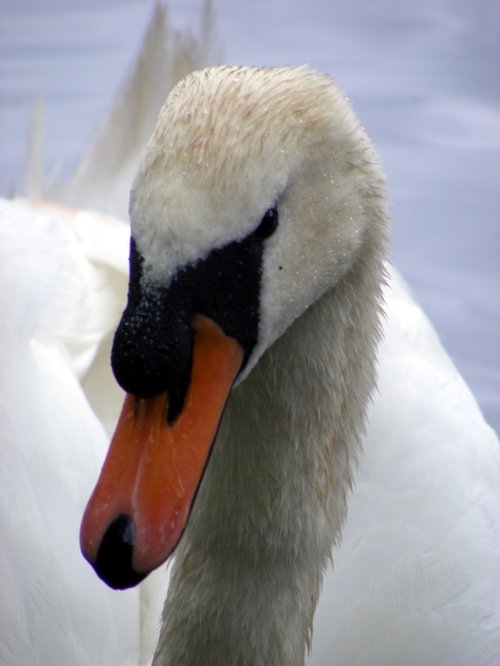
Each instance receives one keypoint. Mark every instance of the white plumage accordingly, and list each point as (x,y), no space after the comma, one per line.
(53,610)
(417,573)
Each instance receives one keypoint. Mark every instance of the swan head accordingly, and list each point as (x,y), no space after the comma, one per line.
(257,192)
(233,143)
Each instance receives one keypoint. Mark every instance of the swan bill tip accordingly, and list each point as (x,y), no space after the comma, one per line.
(113,563)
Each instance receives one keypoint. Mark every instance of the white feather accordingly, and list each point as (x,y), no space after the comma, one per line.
(53,610)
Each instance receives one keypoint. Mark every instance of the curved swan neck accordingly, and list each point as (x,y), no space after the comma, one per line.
(248,570)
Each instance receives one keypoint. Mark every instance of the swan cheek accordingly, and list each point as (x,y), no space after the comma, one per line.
(142,500)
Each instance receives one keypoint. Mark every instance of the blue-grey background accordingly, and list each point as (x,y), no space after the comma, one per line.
(422,76)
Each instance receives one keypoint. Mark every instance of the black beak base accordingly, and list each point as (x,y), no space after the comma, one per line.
(153,343)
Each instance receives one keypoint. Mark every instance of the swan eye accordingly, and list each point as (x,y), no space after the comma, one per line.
(268,224)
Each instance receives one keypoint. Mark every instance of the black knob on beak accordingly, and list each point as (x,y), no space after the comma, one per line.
(152,346)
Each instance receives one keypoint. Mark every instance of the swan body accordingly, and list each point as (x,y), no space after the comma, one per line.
(417,571)
(416,575)
(51,445)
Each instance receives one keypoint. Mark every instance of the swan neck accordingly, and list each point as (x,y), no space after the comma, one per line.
(248,571)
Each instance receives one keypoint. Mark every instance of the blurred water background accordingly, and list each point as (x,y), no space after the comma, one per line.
(422,76)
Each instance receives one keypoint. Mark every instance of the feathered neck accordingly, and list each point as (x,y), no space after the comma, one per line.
(248,570)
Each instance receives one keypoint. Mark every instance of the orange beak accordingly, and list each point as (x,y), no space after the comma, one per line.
(152,470)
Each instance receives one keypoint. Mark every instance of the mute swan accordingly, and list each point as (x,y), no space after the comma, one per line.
(257,269)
